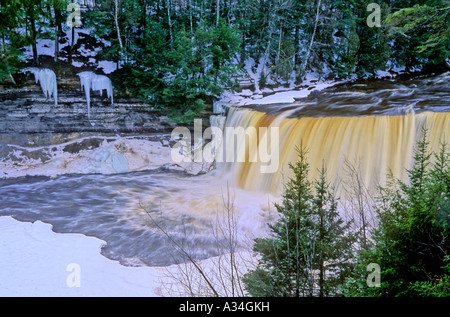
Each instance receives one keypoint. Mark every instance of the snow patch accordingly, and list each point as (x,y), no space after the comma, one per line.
(35,261)
(107,66)
(276,95)
(85,52)
(77,64)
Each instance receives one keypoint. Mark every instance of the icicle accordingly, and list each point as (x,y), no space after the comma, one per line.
(86,85)
(47,79)
(91,81)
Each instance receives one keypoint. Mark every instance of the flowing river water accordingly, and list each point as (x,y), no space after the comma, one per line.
(122,191)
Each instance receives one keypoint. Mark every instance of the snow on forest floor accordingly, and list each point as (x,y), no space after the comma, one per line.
(46,47)
(277,95)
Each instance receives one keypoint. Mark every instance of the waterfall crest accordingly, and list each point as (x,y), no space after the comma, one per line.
(374,145)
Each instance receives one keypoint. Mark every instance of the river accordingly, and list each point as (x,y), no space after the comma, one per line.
(88,192)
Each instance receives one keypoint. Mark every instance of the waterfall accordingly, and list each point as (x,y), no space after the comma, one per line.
(91,81)
(374,145)
(47,79)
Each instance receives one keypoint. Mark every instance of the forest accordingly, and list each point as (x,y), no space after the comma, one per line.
(178,56)
(182,53)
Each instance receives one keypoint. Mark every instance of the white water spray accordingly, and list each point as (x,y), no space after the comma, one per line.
(91,81)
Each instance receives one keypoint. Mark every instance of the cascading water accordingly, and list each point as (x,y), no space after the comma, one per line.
(102,189)
(375,145)
(372,127)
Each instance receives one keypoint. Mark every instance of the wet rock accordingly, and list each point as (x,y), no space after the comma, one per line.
(86,144)
(27,111)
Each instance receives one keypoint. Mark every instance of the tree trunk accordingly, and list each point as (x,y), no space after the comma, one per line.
(242,58)
(56,46)
(169,21)
(116,20)
(279,48)
(321,264)
(217,12)
(305,61)
(296,46)
(34,47)
(190,18)
(58,30)
(71,44)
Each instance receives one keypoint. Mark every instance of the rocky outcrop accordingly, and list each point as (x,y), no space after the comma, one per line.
(24,109)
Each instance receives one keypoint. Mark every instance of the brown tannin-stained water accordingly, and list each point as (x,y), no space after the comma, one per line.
(373,125)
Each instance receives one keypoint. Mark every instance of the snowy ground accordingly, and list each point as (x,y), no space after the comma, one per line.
(37,262)
(121,155)
(46,47)
(279,95)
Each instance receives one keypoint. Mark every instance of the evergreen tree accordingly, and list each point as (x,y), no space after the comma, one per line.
(440,287)
(309,239)
(411,241)
(334,243)
(422,33)
(11,40)
(374,51)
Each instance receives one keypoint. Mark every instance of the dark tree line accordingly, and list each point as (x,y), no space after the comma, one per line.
(179,52)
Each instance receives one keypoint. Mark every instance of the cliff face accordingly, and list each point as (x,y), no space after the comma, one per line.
(24,109)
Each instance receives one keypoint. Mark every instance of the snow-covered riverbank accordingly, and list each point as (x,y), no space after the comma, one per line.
(37,262)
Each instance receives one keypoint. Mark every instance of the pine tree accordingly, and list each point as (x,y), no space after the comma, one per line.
(410,242)
(334,243)
(11,41)
(309,238)
(421,33)
(374,51)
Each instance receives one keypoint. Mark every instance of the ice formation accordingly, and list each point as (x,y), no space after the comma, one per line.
(108,159)
(47,79)
(91,81)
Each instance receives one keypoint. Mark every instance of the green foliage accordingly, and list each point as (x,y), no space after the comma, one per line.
(424,31)
(11,41)
(440,287)
(174,54)
(410,242)
(347,48)
(374,51)
(10,61)
(308,236)
(178,72)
